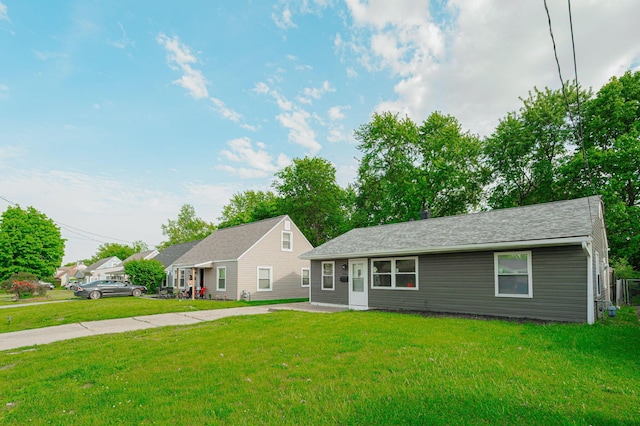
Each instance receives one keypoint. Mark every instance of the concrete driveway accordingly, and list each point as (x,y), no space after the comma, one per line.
(42,336)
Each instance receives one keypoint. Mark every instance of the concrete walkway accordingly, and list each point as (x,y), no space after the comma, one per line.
(42,336)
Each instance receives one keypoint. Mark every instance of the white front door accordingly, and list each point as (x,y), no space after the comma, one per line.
(358,283)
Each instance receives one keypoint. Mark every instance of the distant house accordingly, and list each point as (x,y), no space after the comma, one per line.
(96,271)
(67,274)
(545,261)
(117,272)
(257,261)
(169,256)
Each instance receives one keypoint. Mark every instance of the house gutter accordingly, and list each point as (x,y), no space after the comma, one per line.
(449,249)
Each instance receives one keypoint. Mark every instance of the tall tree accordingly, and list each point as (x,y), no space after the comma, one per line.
(529,148)
(311,197)
(29,242)
(187,227)
(121,251)
(407,169)
(249,206)
(612,144)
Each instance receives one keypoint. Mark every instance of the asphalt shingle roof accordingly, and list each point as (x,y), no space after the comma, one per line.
(560,219)
(172,253)
(228,243)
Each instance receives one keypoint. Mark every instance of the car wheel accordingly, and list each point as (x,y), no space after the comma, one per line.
(136,292)
(95,294)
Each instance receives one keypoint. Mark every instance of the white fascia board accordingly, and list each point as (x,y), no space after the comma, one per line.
(456,249)
(208,264)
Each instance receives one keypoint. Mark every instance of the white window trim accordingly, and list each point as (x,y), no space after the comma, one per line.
(333,276)
(270,278)
(290,241)
(496,255)
(302,277)
(393,273)
(218,278)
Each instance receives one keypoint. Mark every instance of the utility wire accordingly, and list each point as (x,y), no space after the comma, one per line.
(77,231)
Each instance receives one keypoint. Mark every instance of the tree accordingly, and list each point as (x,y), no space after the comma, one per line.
(612,145)
(146,272)
(249,206)
(407,169)
(529,148)
(187,227)
(121,251)
(311,197)
(29,242)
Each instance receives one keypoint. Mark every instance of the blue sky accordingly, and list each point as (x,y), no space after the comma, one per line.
(115,113)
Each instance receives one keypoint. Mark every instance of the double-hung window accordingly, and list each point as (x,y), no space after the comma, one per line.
(221,281)
(305,277)
(264,278)
(401,273)
(513,274)
(328,277)
(287,241)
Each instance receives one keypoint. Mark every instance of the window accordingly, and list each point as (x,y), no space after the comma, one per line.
(598,281)
(306,277)
(221,282)
(401,273)
(287,241)
(328,278)
(264,278)
(513,274)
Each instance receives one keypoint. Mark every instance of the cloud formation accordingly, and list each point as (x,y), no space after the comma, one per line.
(256,161)
(4,14)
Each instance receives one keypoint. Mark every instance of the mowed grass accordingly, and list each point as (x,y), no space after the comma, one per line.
(349,368)
(79,310)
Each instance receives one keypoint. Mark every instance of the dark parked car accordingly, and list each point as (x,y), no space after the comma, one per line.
(107,288)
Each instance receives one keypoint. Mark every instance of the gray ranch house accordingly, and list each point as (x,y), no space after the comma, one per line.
(256,261)
(545,261)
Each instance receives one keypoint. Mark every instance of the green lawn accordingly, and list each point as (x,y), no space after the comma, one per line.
(353,368)
(79,310)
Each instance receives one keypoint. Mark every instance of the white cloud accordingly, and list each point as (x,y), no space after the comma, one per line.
(335,112)
(474,59)
(257,162)
(226,112)
(300,131)
(4,91)
(9,152)
(4,14)
(180,58)
(315,92)
(283,20)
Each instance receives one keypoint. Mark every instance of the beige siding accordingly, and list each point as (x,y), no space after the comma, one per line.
(211,281)
(600,247)
(286,266)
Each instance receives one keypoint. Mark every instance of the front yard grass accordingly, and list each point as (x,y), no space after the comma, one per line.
(80,310)
(351,368)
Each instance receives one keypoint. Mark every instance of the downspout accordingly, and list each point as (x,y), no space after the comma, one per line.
(586,246)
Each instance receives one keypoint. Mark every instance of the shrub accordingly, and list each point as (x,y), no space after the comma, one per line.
(20,276)
(24,289)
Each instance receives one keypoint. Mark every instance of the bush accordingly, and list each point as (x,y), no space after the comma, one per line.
(20,276)
(24,289)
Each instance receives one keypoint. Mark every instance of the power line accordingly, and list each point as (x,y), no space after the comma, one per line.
(77,231)
(577,128)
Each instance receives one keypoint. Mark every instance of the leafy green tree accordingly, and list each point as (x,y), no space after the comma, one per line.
(29,242)
(187,227)
(147,272)
(121,251)
(612,144)
(249,206)
(529,148)
(407,169)
(311,197)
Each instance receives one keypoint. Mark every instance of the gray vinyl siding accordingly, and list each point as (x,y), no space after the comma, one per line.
(599,246)
(211,278)
(465,283)
(340,294)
